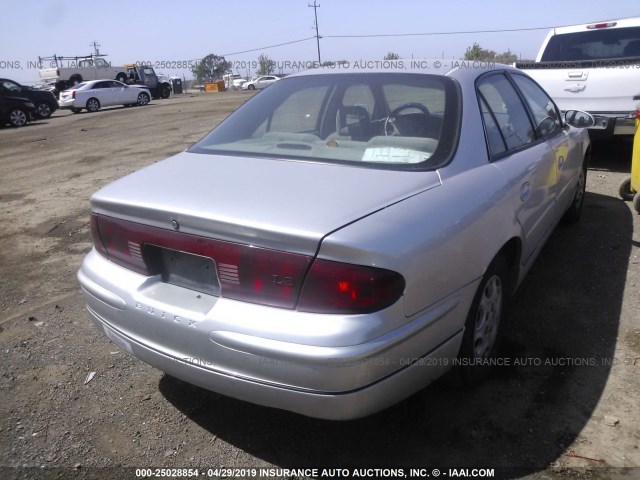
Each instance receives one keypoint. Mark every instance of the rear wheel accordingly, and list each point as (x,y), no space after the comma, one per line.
(93,105)
(574,212)
(625,190)
(251,87)
(18,117)
(636,202)
(75,79)
(122,77)
(143,99)
(43,110)
(484,321)
(165,91)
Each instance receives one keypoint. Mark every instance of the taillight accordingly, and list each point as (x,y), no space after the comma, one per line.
(248,273)
(602,25)
(73,94)
(255,274)
(335,287)
(95,234)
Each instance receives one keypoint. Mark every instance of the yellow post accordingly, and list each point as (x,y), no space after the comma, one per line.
(635,158)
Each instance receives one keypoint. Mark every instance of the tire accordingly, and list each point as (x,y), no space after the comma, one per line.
(75,79)
(121,77)
(143,99)
(487,315)
(625,190)
(636,202)
(76,110)
(251,87)
(18,117)
(93,105)
(165,91)
(574,212)
(43,110)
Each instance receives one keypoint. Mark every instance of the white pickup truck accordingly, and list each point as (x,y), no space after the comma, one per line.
(594,68)
(73,70)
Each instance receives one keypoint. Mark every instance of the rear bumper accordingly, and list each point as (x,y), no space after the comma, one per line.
(325,375)
(344,405)
(608,125)
(63,104)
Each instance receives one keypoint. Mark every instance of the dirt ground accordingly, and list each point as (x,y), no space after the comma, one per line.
(567,406)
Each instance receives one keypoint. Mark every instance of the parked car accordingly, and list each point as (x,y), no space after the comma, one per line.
(260,82)
(593,67)
(15,111)
(342,239)
(44,101)
(96,94)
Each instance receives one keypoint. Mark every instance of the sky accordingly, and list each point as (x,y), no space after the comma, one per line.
(169,34)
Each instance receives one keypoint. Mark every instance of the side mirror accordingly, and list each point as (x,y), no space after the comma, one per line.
(579,119)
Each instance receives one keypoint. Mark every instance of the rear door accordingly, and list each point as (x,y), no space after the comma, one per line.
(265,81)
(524,158)
(102,91)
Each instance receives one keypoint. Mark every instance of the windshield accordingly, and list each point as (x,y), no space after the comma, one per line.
(386,120)
(596,44)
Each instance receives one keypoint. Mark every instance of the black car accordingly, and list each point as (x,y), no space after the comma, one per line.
(16,111)
(44,100)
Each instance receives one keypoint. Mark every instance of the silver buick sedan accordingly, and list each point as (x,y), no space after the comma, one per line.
(342,239)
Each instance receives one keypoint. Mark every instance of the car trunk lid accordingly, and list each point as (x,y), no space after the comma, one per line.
(269,203)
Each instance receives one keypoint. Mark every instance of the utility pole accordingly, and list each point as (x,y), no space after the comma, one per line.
(95,46)
(315,12)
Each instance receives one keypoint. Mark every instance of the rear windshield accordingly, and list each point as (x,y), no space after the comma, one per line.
(78,86)
(596,44)
(379,120)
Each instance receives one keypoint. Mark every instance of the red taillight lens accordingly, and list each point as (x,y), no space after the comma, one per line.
(601,25)
(335,287)
(73,94)
(95,234)
(252,274)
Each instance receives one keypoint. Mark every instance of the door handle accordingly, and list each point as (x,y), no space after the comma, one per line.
(575,88)
(525,191)
(578,75)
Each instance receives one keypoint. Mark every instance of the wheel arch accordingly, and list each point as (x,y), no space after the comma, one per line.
(87,104)
(512,253)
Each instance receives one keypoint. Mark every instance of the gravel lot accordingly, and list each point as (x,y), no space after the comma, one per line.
(565,407)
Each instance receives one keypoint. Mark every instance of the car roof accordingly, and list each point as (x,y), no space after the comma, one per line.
(621,23)
(462,70)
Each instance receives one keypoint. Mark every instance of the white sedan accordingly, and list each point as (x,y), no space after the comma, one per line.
(96,94)
(260,82)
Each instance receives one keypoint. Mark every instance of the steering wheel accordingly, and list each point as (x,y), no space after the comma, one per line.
(392,125)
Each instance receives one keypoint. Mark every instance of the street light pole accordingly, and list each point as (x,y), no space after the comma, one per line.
(315,11)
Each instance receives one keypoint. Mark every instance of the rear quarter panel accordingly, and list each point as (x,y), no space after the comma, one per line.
(440,240)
